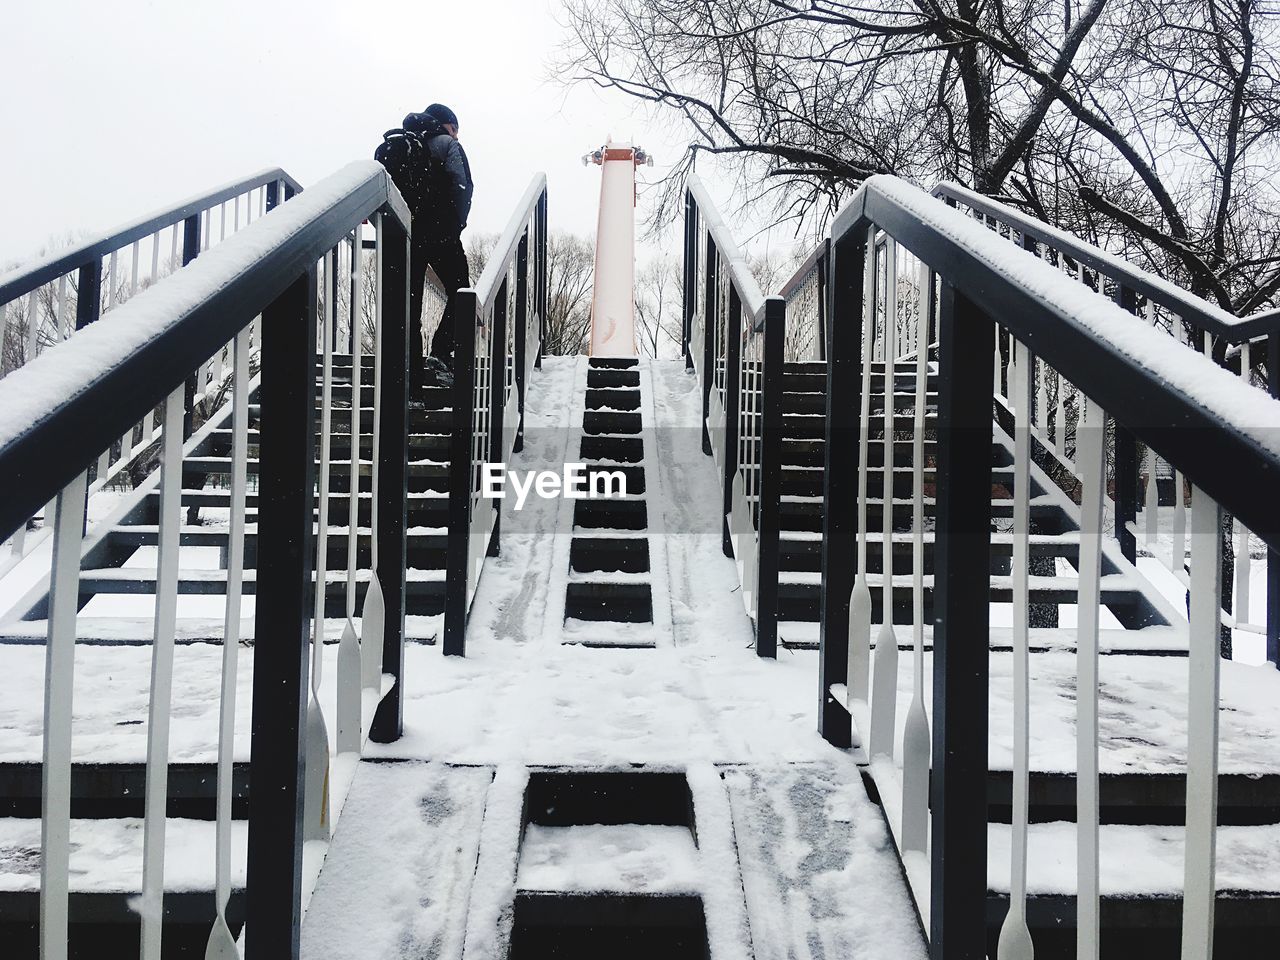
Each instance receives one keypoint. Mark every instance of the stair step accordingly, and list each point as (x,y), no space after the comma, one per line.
(613,398)
(627,602)
(610,422)
(615,448)
(598,377)
(613,363)
(621,554)
(611,514)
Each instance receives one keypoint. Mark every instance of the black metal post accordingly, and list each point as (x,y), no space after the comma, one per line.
(960,640)
(690,276)
(393,471)
(840,478)
(770,522)
(190,250)
(1273,555)
(521,321)
(708,372)
(540,276)
(283,612)
(497,401)
(1126,463)
(732,404)
(824,278)
(461,475)
(88,293)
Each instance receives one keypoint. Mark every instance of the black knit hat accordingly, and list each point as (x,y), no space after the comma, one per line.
(441,113)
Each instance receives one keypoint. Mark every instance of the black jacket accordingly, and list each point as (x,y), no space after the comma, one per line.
(446,217)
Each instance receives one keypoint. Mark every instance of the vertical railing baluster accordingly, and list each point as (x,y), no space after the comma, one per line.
(155,256)
(62,322)
(1091,463)
(840,509)
(1151,501)
(133,269)
(770,421)
(707,374)
(373,614)
(59,688)
(221,942)
(1015,937)
(859,639)
(1273,555)
(884,694)
(1203,666)
(1178,550)
(461,448)
(732,404)
(349,665)
(1240,608)
(958,887)
(915,735)
(286,524)
(158,715)
(316,798)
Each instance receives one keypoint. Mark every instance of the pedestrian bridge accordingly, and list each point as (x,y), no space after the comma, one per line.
(939,617)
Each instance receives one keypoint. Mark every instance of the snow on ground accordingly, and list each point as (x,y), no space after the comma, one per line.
(401,864)
(1142,714)
(1136,860)
(106,855)
(702,701)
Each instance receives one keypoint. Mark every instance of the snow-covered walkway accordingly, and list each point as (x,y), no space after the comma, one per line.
(424,859)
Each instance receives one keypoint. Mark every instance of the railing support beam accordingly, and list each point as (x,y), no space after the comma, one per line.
(961,642)
(283,612)
(840,477)
(461,474)
(770,513)
(393,471)
(732,405)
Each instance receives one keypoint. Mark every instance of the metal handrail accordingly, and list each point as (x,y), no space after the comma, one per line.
(749,291)
(806,267)
(1195,310)
(75,399)
(29,276)
(1107,352)
(486,287)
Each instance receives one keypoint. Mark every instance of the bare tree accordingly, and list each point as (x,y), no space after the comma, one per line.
(659,297)
(1150,126)
(570,273)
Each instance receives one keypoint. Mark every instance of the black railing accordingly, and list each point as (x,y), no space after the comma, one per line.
(1231,341)
(1199,418)
(46,301)
(499,329)
(63,408)
(735,342)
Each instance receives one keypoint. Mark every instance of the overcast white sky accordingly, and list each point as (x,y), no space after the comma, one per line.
(112,108)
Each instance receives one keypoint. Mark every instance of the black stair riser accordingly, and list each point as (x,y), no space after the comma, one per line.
(611,554)
(610,602)
(611,514)
(597,378)
(601,421)
(620,449)
(616,399)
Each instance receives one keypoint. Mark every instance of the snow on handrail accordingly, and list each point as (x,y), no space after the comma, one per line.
(25,277)
(486,288)
(1186,396)
(748,287)
(1188,306)
(131,364)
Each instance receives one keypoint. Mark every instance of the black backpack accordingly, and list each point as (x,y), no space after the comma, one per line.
(412,168)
